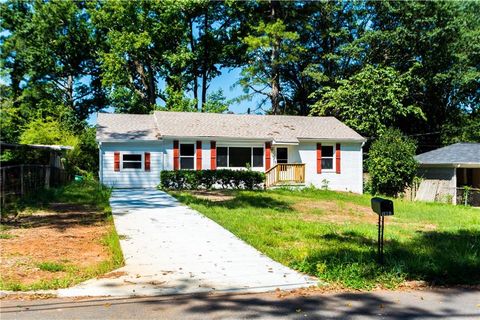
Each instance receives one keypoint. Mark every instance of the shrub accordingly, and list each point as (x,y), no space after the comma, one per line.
(391,163)
(207,179)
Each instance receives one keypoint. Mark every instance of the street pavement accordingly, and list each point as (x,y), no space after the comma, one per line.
(431,304)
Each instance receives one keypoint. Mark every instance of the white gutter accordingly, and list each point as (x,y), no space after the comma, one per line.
(128,140)
(452,165)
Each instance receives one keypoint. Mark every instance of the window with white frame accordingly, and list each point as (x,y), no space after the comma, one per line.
(239,157)
(327,157)
(187,156)
(132,161)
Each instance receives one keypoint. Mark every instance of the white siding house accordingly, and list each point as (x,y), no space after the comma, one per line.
(134,149)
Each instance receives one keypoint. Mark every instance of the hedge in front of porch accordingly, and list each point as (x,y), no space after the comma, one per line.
(211,179)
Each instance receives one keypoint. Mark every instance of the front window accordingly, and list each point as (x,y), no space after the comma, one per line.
(239,157)
(327,157)
(187,156)
(132,161)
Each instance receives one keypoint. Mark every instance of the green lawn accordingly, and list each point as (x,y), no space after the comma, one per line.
(333,236)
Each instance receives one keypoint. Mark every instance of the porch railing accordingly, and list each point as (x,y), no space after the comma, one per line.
(285,173)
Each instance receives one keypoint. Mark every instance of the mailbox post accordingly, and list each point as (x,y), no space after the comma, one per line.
(382,207)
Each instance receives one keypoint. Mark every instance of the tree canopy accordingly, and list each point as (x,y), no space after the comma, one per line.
(410,65)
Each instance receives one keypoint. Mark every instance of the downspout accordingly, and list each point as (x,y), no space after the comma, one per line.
(163,154)
(361,163)
(100,162)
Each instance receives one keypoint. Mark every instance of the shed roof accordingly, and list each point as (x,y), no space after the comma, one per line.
(288,129)
(453,155)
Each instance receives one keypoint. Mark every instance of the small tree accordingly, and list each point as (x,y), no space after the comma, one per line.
(391,163)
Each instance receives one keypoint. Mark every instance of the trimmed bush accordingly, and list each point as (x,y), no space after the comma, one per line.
(208,179)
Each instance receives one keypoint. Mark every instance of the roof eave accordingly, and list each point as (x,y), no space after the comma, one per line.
(359,140)
(128,140)
(451,164)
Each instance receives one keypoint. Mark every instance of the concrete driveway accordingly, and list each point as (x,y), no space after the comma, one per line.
(172,249)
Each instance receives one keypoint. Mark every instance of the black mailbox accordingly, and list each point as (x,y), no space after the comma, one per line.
(382,207)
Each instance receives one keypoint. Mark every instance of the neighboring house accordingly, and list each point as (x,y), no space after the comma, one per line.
(447,170)
(322,151)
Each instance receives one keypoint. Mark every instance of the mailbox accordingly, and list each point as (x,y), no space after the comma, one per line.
(382,207)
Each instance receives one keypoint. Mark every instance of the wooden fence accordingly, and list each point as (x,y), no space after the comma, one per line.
(20,180)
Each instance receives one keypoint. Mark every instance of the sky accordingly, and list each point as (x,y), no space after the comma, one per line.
(225,81)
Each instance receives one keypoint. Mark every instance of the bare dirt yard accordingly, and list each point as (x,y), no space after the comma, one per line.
(57,246)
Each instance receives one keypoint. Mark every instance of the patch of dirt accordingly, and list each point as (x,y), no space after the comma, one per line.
(212,195)
(68,235)
(333,211)
(27,296)
(341,212)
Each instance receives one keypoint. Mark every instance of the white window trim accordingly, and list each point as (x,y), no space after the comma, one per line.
(142,155)
(180,155)
(251,157)
(332,157)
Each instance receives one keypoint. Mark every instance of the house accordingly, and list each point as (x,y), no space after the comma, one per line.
(317,151)
(446,171)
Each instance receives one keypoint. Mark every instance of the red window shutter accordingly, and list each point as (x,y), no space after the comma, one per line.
(199,155)
(176,155)
(116,161)
(337,157)
(319,158)
(147,161)
(268,155)
(213,155)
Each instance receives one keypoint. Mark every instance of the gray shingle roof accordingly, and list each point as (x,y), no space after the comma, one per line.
(117,126)
(192,124)
(458,153)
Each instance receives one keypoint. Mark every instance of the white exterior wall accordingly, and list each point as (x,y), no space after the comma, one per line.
(161,153)
(130,178)
(350,177)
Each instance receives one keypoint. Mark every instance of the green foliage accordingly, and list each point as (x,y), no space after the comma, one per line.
(370,101)
(216,102)
(270,47)
(51,266)
(206,179)
(465,127)
(391,163)
(85,160)
(47,132)
(413,65)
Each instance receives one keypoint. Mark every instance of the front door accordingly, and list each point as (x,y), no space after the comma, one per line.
(282,155)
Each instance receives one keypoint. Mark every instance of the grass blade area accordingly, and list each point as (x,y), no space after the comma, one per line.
(332,235)
(61,237)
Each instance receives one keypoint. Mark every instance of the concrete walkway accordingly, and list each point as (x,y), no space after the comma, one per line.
(172,249)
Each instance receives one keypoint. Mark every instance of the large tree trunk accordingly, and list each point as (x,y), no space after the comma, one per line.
(69,92)
(205,60)
(275,75)
(195,66)
(152,90)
